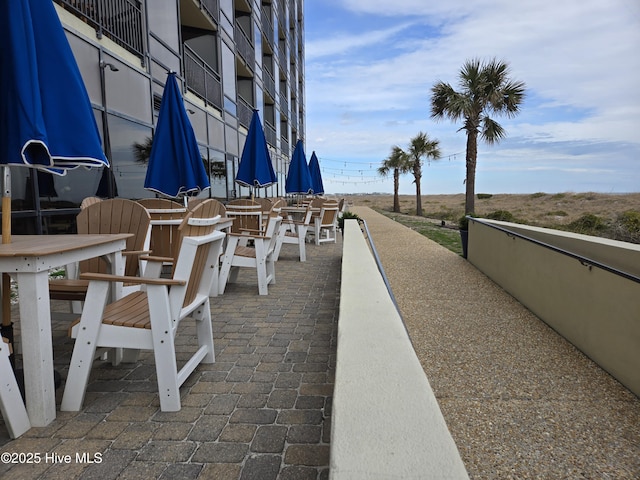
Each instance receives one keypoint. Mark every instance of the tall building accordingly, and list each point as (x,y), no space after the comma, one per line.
(231,56)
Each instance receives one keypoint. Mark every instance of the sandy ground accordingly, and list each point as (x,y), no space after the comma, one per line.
(540,209)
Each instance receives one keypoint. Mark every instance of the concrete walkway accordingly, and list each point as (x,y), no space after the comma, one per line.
(519,400)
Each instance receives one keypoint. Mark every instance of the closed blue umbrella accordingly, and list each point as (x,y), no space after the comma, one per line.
(316,176)
(46,119)
(175,165)
(298,178)
(255,169)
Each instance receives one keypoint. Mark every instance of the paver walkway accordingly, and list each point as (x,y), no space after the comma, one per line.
(261,411)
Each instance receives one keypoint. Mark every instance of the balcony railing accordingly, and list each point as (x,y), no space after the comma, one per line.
(212,9)
(270,133)
(267,26)
(119,20)
(245,112)
(269,83)
(201,79)
(244,47)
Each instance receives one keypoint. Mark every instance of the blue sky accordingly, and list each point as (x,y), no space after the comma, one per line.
(370,68)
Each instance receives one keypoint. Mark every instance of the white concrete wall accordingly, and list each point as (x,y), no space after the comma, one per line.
(386,422)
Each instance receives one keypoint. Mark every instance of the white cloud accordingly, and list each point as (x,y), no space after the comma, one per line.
(579,59)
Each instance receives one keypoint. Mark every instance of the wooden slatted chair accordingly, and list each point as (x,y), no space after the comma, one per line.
(247,215)
(326,223)
(260,256)
(11,403)
(295,232)
(166,216)
(117,215)
(89,201)
(149,319)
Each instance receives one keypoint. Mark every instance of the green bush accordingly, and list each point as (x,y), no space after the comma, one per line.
(630,221)
(502,215)
(483,196)
(346,215)
(587,223)
(538,195)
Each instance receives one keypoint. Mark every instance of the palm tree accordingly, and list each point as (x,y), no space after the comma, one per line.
(485,89)
(398,161)
(419,148)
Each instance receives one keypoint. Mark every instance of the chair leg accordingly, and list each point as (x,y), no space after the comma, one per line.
(232,242)
(302,238)
(261,267)
(84,349)
(164,350)
(204,331)
(11,404)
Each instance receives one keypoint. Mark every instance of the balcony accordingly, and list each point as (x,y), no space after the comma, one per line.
(245,112)
(244,47)
(119,20)
(201,79)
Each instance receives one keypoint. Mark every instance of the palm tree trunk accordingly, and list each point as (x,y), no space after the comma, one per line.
(396,188)
(418,175)
(472,154)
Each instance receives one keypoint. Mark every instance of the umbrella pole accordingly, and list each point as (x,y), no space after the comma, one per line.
(7,327)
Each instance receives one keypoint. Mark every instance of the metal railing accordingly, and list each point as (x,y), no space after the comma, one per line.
(212,9)
(201,79)
(119,20)
(270,133)
(245,112)
(587,262)
(269,83)
(244,46)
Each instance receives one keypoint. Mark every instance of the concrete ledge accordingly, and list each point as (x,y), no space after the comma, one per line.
(386,422)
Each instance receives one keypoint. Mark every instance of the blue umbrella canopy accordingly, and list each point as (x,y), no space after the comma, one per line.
(175,165)
(316,176)
(298,177)
(46,119)
(255,169)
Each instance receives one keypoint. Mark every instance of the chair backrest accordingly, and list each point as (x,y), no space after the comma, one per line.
(243,202)
(200,222)
(329,212)
(116,215)
(272,231)
(163,235)
(246,217)
(89,201)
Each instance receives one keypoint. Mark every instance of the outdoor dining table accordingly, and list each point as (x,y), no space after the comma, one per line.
(29,258)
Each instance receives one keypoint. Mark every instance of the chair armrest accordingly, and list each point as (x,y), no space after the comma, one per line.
(154,258)
(247,235)
(105,277)
(130,253)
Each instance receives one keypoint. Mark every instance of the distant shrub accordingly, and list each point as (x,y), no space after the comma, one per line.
(626,227)
(588,223)
(557,213)
(502,215)
(630,220)
(538,195)
(559,196)
(483,196)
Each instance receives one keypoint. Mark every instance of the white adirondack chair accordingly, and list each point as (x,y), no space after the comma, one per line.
(11,404)
(149,319)
(260,256)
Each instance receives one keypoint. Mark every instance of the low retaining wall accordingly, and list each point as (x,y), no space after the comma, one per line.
(386,422)
(596,310)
